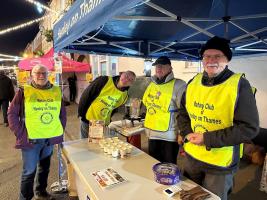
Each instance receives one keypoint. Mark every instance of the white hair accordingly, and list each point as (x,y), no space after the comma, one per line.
(37,67)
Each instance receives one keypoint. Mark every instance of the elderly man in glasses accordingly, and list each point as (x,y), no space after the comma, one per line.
(37,117)
(101,97)
(219,113)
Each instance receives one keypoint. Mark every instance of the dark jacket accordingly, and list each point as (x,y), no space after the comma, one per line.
(6,88)
(16,119)
(92,92)
(72,81)
(245,122)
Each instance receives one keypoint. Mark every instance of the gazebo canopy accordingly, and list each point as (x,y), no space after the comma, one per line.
(176,28)
(47,60)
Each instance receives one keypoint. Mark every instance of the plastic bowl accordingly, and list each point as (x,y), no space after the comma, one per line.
(166,173)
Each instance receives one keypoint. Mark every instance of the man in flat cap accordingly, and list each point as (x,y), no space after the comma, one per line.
(219,113)
(162,100)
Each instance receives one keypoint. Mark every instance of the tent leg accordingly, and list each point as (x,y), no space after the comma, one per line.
(59,186)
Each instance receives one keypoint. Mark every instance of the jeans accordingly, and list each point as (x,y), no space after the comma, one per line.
(84,130)
(37,157)
(4,104)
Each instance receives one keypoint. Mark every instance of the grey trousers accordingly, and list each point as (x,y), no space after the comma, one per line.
(84,130)
(219,183)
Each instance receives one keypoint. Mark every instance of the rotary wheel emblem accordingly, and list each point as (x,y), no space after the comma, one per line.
(46,118)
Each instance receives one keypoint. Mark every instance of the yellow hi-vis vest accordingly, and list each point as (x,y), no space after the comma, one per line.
(42,110)
(254,90)
(211,108)
(157,99)
(109,98)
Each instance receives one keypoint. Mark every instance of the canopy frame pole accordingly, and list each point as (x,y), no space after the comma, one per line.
(226,20)
(245,49)
(125,48)
(127,42)
(156,44)
(145,18)
(172,50)
(263,15)
(196,33)
(92,38)
(196,27)
(162,10)
(249,33)
(246,45)
(163,19)
(87,43)
(164,47)
(182,20)
(101,42)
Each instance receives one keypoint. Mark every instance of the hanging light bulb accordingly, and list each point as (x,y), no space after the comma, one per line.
(39,8)
(42,6)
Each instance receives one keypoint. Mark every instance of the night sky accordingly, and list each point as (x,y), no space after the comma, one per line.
(16,12)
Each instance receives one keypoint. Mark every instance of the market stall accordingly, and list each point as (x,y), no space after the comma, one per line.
(130,130)
(59,70)
(84,159)
(48,60)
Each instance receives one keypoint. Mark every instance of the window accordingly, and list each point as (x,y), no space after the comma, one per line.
(103,68)
(113,66)
(95,66)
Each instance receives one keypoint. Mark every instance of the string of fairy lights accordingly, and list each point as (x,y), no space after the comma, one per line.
(42,6)
(14,28)
(5,57)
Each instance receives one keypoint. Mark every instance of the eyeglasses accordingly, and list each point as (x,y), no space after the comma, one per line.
(216,57)
(40,73)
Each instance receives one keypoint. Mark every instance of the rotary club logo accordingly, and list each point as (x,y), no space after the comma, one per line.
(46,118)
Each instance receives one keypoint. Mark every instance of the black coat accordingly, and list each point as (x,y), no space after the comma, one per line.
(92,92)
(6,88)
(245,123)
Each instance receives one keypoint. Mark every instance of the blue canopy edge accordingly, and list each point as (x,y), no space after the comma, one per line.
(176,28)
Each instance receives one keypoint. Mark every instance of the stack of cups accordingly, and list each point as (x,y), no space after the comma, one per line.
(115,147)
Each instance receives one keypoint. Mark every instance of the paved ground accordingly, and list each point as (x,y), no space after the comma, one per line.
(10,159)
(246,182)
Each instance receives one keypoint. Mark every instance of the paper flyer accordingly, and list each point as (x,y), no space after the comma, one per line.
(108,177)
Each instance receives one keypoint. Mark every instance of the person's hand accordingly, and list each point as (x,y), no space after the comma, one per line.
(180,140)
(195,138)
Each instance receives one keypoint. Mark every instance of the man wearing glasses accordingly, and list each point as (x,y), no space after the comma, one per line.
(101,97)
(218,114)
(37,116)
